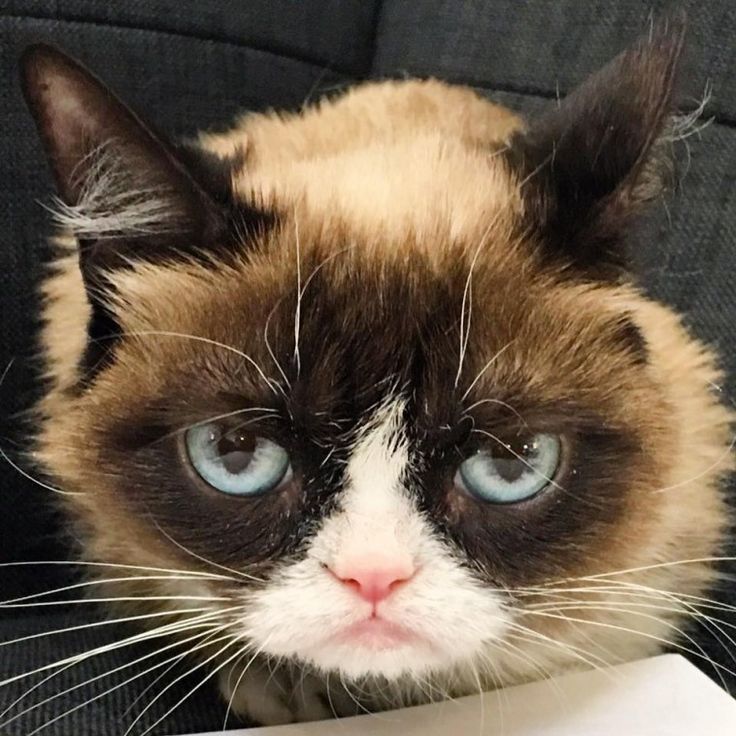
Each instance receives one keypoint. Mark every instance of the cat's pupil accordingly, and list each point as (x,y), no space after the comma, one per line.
(507,458)
(236,450)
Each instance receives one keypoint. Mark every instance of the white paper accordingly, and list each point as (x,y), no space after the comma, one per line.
(661,696)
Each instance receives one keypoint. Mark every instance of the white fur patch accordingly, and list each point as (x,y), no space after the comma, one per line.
(300,614)
(375,509)
(115,200)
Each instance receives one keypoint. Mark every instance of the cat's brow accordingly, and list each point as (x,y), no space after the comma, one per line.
(265,411)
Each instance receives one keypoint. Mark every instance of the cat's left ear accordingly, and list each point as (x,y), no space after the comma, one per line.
(125,191)
(591,162)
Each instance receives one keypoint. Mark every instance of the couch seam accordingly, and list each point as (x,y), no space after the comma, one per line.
(283,52)
(720,119)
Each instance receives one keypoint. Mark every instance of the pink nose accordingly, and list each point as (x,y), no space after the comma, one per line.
(374,583)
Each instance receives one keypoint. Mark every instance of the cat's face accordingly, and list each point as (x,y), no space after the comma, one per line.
(382,444)
(368,479)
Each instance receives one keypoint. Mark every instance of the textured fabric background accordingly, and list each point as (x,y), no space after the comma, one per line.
(191,65)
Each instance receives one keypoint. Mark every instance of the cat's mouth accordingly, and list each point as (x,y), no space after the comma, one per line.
(378,633)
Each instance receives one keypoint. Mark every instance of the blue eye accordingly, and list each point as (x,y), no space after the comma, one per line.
(513,472)
(235,461)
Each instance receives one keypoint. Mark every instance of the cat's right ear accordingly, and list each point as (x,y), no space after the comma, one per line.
(125,192)
(593,160)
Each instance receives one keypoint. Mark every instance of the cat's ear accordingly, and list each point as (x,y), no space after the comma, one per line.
(124,191)
(590,163)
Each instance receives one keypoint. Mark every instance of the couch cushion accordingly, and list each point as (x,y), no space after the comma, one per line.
(336,34)
(542,48)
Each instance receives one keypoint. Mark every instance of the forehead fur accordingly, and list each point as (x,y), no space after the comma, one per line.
(439,189)
(421,153)
(303,292)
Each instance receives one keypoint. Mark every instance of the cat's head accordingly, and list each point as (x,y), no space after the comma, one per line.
(382,425)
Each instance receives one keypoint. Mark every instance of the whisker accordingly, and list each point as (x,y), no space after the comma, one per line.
(591,660)
(205,679)
(352,697)
(117,565)
(711,624)
(333,710)
(603,604)
(485,368)
(160,676)
(235,687)
(502,695)
(116,599)
(721,459)
(265,410)
(110,690)
(93,583)
(268,343)
(467,300)
(38,482)
(248,665)
(155,633)
(653,566)
(6,370)
(229,638)
(532,174)
(205,560)
(327,457)
(299,295)
(463,330)
(615,586)
(273,385)
(95,624)
(699,601)
(90,680)
(507,647)
(700,655)
(481,700)
(31,689)
(500,403)
(321,265)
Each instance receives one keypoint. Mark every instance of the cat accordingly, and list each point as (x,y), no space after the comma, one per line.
(369,391)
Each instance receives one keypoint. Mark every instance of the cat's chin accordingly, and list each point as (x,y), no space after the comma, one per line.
(357,662)
(378,634)
(378,648)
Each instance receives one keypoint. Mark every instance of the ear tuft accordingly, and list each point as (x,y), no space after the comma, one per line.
(124,190)
(104,157)
(114,202)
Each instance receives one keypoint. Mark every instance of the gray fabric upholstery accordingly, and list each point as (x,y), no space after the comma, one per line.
(191,65)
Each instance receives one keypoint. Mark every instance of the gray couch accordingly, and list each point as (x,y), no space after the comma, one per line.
(190,65)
